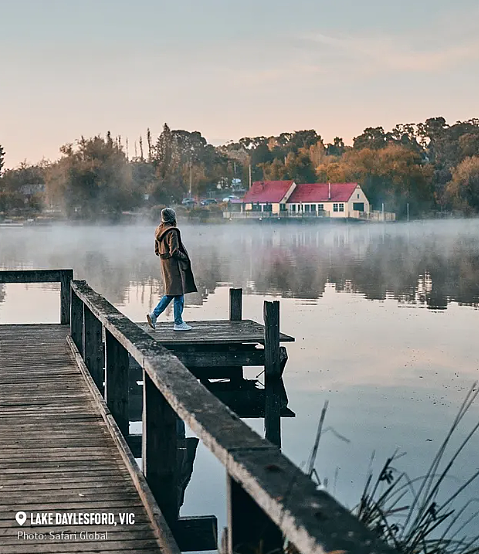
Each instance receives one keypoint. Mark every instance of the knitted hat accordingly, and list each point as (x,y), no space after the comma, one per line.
(168,215)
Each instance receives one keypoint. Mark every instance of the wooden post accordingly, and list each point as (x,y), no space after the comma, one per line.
(236,304)
(76,321)
(159,450)
(65,278)
(236,314)
(250,530)
(116,382)
(93,347)
(272,370)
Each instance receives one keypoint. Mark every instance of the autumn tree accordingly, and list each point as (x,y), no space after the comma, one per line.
(462,192)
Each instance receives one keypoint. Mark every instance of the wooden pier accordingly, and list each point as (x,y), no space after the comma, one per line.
(65,446)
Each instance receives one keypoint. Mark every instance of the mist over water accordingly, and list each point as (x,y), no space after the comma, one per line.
(384,318)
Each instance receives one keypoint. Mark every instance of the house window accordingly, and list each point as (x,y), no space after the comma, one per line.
(341,207)
(313,207)
(293,208)
(282,207)
(335,207)
(358,195)
(358,206)
(321,207)
(306,208)
(267,207)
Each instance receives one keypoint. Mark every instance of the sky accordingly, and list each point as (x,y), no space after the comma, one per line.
(229,69)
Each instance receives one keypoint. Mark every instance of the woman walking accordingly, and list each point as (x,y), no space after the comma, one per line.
(176,267)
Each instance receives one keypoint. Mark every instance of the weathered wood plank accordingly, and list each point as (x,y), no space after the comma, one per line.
(236,304)
(116,381)
(159,450)
(93,347)
(272,417)
(55,448)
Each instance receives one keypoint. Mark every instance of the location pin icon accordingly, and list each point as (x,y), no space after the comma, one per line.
(21,517)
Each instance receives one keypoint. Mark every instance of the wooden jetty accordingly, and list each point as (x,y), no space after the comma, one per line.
(65,441)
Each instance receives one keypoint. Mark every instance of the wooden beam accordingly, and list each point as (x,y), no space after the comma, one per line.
(93,348)
(159,453)
(236,304)
(196,533)
(76,320)
(34,275)
(272,370)
(116,385)
(250,530)
(66,276)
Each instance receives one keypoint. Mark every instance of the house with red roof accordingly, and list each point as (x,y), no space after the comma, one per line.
(268,196)
(328,199)
(286,198)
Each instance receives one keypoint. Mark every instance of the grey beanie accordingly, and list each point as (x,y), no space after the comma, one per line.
(168,215)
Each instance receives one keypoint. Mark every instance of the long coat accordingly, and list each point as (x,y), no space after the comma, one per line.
(175,262)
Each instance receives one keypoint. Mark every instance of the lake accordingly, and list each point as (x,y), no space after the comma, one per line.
(385,319)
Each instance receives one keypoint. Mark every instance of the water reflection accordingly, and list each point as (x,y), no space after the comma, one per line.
(420,264)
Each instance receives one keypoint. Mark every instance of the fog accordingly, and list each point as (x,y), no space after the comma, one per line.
(383,316)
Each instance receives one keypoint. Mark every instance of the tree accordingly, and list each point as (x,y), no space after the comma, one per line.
(2,159)
(373,138)
(462,191)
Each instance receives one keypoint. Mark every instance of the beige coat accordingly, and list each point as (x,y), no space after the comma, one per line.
(175,262)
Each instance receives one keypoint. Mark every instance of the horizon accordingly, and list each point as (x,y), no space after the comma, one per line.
(229,71)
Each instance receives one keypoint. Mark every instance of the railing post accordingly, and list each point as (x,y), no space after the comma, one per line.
(93,347)
(236,314)
(159,450)
(76,320)
(116,381)
(250,530)
(236,304)
(65,278)
(272,370)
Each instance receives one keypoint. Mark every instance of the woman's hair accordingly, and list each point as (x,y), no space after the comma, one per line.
(168,215)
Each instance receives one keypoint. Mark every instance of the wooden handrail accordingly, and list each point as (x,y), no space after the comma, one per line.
(311,519)
(62,276)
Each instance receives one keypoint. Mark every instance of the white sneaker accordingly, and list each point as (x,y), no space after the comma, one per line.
(182,327)
(151,318)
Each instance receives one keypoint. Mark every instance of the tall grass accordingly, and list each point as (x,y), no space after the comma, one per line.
(410,515)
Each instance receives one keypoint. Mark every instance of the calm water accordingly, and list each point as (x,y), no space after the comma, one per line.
(385,320)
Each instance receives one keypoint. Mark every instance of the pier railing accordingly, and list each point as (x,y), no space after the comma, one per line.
(62,276)
(269,499)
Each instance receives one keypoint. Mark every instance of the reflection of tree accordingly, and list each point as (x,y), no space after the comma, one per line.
(409,264)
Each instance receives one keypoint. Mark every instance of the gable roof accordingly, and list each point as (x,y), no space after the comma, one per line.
(319,192)
(267,191)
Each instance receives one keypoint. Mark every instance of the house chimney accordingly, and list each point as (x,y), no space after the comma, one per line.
(329,191)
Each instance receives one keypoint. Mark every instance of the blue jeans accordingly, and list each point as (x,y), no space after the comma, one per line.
(178,307)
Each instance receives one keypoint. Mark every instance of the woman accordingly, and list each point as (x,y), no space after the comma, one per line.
(176,268)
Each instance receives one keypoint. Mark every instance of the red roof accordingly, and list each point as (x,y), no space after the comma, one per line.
(319,192)
(267,191)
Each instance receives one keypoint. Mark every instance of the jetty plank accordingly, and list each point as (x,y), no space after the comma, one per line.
(55,444)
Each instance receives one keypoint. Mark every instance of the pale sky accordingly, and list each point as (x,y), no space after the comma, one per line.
(229,68)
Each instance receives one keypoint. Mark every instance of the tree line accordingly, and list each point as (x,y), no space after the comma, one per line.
(424,167)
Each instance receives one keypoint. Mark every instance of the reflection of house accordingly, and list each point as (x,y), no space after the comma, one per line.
(286,198)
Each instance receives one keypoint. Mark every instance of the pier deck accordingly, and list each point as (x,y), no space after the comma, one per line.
(57,454)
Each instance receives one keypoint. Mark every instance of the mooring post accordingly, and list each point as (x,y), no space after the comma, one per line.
(116,381)
(76,320)
(159,450)
(272,370)
(250,530)
(66,277)
(236,304)
(93,347)
(236,314)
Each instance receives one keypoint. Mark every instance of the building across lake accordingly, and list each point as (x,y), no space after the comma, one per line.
(288,199)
